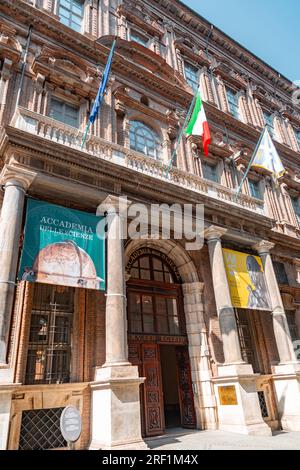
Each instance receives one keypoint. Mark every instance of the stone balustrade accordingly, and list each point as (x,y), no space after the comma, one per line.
(53,130)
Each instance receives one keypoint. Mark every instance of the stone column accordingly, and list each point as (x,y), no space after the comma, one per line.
(116,323)
(15,185)
(116,421)
(239,412)
(281,328)
(228,326)
(286,375)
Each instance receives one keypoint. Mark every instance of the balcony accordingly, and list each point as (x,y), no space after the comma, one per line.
(60,133)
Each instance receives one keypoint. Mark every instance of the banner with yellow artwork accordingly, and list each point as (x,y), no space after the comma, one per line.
(246,279)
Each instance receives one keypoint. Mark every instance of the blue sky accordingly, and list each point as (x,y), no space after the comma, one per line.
(268,28)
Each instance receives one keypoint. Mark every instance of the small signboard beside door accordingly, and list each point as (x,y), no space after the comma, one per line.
(71,425)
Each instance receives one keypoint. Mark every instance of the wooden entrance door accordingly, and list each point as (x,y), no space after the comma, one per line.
(153,396)
(186,396)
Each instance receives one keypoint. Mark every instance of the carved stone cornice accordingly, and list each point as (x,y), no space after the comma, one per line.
(126,101)
(196,54)
(10,48)
(139,14)
(67,69)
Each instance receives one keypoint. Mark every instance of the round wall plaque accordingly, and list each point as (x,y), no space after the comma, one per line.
(70,424)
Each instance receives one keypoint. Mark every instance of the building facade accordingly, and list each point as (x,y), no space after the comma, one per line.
(164,346)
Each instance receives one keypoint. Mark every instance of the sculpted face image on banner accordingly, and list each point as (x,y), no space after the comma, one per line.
(61,247)
(246,280)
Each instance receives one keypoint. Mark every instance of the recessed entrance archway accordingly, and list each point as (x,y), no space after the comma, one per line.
(167,336)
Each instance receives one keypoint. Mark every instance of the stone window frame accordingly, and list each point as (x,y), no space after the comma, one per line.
(64,104)
(267,115)
(161,155)
(294,201)
(186,64)
(82,106)
(135,31)
(153,44)
(82,18)
(217,163)
(297,136)
(236,95)
(261,186)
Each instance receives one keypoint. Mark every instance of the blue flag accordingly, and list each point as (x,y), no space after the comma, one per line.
(100,94)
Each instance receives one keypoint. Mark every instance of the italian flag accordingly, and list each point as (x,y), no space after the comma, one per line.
(198,124)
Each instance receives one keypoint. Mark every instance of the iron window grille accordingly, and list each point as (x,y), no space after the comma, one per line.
(49,348)
(263,404)
(40,430)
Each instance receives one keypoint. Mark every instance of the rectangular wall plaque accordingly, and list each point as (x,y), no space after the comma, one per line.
(227,395)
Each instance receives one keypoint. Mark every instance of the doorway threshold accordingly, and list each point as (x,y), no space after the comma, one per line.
(172,432)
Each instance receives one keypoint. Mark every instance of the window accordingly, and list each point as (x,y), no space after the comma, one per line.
(210,172)
(233,103)
(153,298)
(71,13)
(270,123)
(139,38)
(255,189)
(291,319)
(280,273)
(144,139)
(246,336)
(191,76)
(296,206)
(49,348)
(297,134)
(64,112)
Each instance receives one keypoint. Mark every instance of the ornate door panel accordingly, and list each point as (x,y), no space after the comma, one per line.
(134,356)
(153,397)
(186,396)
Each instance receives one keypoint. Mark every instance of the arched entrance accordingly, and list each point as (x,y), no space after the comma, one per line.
(158,342)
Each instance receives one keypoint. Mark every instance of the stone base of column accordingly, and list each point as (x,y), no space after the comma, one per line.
(6,374)
(116,416)
(237,401)
(5,407)
(286,381)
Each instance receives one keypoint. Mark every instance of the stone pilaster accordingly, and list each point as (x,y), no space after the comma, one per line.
(116,419)
(16,182)
(4,82)
(204,398)
(286,375)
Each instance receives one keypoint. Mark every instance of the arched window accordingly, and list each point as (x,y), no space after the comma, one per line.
(144,139)
(154,298)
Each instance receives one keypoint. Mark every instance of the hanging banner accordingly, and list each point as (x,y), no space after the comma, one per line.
(61,247)
(246,280)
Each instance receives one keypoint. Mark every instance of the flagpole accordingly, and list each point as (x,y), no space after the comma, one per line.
(250,163)
(181,132)
(85,133)
(105,76)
